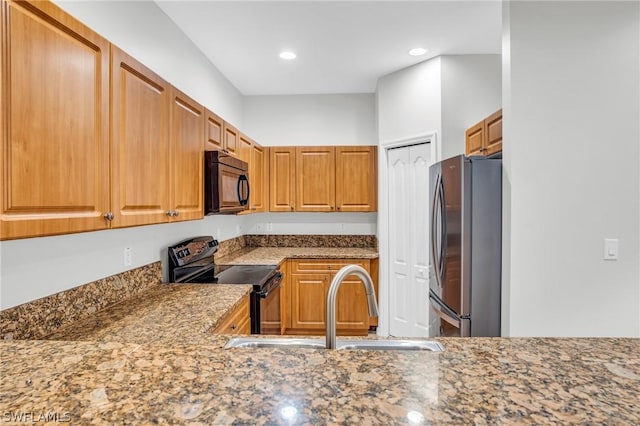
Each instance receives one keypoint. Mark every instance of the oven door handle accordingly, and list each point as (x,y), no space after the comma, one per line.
(273,283)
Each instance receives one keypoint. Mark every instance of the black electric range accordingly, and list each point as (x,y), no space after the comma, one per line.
(191,261)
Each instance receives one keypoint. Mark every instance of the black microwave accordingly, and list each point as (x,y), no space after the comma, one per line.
(226,183)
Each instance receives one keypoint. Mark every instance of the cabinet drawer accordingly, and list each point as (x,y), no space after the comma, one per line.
(236,322)
(325,265)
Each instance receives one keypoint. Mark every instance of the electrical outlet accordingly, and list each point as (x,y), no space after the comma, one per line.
(270,227)
(128,257)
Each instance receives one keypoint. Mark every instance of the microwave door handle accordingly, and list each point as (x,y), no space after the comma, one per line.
(242,183)
(246,180)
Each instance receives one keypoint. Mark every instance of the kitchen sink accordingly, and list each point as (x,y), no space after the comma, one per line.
(257,342)
(310,343)
(390,345)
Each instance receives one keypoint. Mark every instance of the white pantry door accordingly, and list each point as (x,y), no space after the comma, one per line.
(409,240)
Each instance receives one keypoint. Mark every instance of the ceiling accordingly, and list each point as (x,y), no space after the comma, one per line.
(342,46)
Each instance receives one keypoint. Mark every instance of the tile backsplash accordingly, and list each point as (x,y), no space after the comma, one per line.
(38,318)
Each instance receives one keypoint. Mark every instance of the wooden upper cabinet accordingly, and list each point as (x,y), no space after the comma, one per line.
(493,125)
(282,179)
(356,178)
(214,132)
(186,131)
(231,139)
(259,179)
(315,179)
(54,98)
(139,143)
(485,137)
(245,145)
(474,139)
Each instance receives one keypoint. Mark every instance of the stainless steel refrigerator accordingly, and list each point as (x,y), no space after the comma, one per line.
(466,246)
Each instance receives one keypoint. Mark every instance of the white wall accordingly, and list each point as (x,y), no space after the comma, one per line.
(409,102)
(572,161)
(311,223)
(37,267)
(471,90)
(144,31)
(408,105)
(347,119)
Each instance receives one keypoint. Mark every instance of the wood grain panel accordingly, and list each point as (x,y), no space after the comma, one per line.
(493,125)
(139,143)
(307,295)
(231,139)
(54,94)
(285,296)
(282,175)
(259,179)
(315,179)
(214,130)
(474,139)
(356,178)
(187,158)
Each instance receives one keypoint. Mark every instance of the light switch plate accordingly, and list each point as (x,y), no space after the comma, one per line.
(610,249)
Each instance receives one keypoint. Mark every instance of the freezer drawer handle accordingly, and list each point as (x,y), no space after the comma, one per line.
(440,310)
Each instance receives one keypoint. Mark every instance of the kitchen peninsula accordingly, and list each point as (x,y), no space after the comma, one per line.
(153,359)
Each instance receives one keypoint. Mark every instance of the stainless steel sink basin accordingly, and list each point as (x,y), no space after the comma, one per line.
(363,344)
(267,342)
(390,345)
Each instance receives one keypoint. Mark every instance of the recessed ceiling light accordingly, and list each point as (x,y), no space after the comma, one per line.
(288,55)
(417,51)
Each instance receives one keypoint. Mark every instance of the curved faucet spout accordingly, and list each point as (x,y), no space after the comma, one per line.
(361,273)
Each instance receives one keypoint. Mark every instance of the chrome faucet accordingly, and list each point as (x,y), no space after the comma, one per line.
(361,273)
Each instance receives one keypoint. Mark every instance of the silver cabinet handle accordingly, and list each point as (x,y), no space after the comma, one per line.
(176,213)
(108,216)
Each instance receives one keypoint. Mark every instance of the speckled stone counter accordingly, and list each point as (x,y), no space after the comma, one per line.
(168,314)
(275,255)
(476,381)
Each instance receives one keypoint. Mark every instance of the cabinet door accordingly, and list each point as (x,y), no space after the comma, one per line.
(282,179)
(308,299)
(352,312)
(214,132)
(493,126)
(139,143)
(474,139)
(245,145)
(315,179)
(356,178)
(54,98)
(231,139)
(187,162)
(259,179)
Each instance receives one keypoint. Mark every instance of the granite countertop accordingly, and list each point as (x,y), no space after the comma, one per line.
(475,381)
(275,255)
(152,359)
(164,314)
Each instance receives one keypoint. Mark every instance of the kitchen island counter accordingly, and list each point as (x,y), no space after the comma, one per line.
(475,381)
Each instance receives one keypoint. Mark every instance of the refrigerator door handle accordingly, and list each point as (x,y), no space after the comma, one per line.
(444,312)
(435,257)
(443,230)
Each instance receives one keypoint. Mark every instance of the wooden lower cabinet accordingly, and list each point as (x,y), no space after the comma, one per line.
(236,322)
(310,280)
